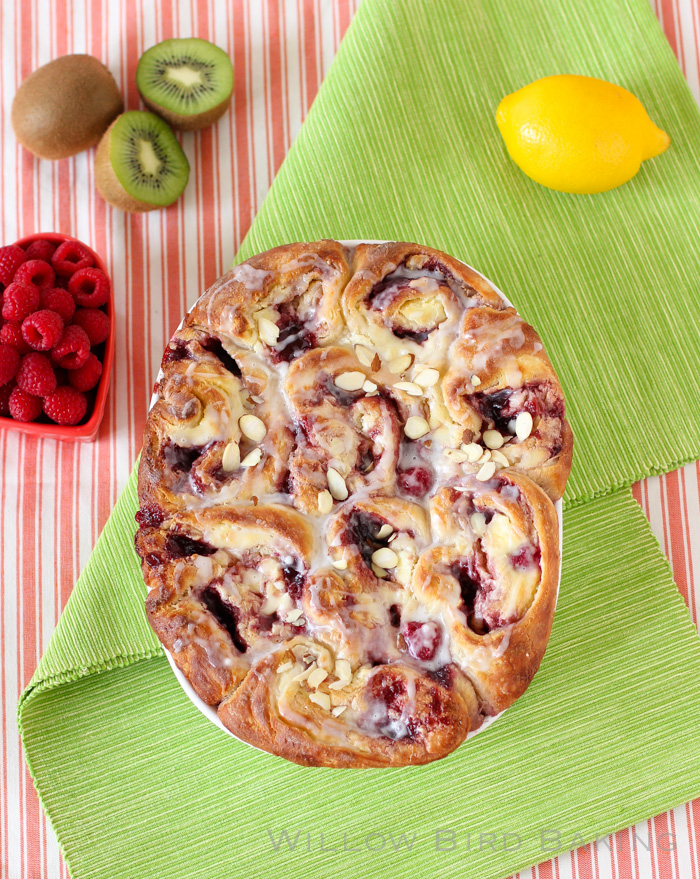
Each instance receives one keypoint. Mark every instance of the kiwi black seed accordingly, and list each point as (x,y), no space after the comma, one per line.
(140,166)
(65,106)
(188,82)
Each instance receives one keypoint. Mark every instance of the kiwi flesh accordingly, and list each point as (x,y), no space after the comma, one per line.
(140,166)
(65,106)
(188,82)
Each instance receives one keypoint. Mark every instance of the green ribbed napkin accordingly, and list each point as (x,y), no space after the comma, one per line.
(401,143)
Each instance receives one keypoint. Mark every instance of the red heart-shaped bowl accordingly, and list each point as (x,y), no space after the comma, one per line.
(87,430)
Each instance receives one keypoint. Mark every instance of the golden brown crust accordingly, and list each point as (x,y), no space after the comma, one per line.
(343,543)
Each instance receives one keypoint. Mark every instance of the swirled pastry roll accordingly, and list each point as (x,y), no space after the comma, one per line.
(346,523)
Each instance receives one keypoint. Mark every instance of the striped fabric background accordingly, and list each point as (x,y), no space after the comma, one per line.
(54,497)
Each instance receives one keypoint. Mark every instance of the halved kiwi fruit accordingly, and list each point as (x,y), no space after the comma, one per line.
(140,166)
(188,82)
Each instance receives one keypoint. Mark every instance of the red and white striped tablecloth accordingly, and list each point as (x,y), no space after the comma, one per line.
(55,497)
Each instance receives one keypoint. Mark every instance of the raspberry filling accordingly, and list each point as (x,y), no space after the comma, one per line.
(383,295)
(225,614)
(361,531)
(150,516)
(175,354)
(180,546)
(471,587)
(294,577)
(389,695)
(527,557)
(501,407)
(215,347)
(181,459)
(422,639)
(295,335)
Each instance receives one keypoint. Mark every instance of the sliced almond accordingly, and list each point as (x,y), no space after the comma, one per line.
(322,699)
(369,387)
(252,427)
(285,666)
(485,456)
(486,472)
(317,677)
(379,572)
(325,502)
(409,388)
(340,564)
(231,458)
(339,685)
(338,710)
(294,615)
(499,458)
(473,451)
(493,439)
(400,364)
(456,455)
(300,622)
(384,531)
(343,670)
(416,427)
(350,381)
(336,484)
(476,381)
(427,378)
(268,331)
(252,458)
(376,363)
(478,522)
(385,557)
(364,355)
(523,425)
(303,675)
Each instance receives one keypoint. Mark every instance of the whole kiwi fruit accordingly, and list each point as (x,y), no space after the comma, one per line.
(140,166)
(65,106)
(189,82)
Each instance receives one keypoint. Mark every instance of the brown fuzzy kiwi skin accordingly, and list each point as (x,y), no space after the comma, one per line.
(189,123)
(65,106)
(109,186)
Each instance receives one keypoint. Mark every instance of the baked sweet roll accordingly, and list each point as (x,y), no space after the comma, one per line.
(216,431)
(502,389)
(281,302)
(405,299)
(492,580)
(347,534)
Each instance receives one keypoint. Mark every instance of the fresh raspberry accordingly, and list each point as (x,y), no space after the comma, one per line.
(23,406)
(42,330)
(5,392)
(11,334)
(71,256)
(41,249)
(36,376)
(9,361)
(73,349)
(89,287)
(37,272)
(58,300)
(87,376)
(11,258)
(95,323)
(65,405)
(19,300)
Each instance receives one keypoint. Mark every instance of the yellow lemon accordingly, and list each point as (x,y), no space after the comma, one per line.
(577,133)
